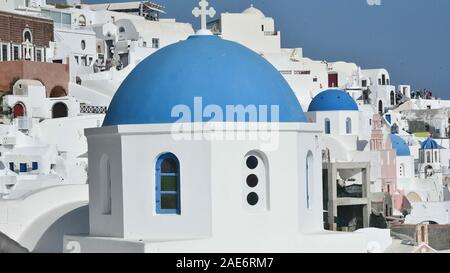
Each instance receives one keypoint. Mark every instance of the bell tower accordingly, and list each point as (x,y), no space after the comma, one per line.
(376,141)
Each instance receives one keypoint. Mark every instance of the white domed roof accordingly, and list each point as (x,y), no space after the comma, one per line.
(255,11)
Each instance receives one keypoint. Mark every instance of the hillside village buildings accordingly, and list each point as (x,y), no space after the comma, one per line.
(346,139)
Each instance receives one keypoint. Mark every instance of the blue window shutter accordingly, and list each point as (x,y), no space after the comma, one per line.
(158,187)
(23,167)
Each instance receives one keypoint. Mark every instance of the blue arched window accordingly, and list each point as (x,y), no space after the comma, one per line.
(168,185)
(327,126)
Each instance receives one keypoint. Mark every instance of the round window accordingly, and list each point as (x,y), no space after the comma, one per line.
(252,198)
(252,181)
(252,162)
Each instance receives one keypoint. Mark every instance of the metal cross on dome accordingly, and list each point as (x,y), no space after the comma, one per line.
(202,12)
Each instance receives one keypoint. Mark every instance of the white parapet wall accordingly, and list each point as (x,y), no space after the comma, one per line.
(438,212)
(38,221)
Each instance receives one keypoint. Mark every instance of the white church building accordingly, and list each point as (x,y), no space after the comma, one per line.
(203,164)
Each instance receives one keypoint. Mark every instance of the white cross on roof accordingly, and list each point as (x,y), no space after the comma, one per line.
(203,12)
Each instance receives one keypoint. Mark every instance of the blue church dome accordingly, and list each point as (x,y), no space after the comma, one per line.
(400,145)
(333,100)
(220,72)
(429,144)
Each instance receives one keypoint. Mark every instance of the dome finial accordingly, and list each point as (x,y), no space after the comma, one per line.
(203,12)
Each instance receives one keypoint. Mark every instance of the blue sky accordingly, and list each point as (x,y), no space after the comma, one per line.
(410,38)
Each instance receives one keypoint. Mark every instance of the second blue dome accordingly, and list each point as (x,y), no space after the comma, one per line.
(333,100)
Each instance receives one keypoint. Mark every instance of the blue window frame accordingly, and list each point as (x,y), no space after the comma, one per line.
(168,199)
(34,165)
(23,167)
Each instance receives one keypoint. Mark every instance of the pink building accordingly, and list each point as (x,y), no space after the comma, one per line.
(388,161)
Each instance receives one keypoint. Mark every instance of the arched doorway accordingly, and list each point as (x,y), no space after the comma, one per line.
(380,107)
(429,171)
(59,110)
(58,92)
(27,36)
(18,110)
